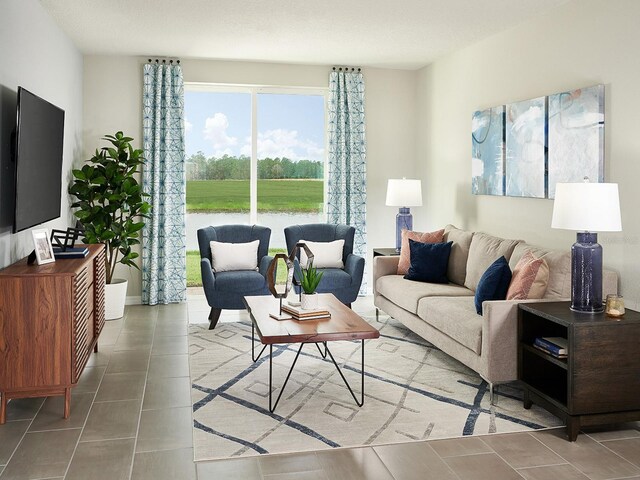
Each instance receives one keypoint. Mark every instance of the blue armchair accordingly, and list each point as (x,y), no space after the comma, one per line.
(225,290)
(345,283)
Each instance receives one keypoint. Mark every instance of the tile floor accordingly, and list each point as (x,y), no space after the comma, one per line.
(131,419)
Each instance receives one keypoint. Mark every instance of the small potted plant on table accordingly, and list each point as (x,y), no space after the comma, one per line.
(309,281)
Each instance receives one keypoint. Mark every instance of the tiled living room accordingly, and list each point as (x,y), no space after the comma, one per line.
(468,100)
(131,418)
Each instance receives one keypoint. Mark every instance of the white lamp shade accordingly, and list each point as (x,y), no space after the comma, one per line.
(589,207)
(404,192)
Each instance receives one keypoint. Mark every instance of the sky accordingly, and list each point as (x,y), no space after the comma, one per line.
(289,126)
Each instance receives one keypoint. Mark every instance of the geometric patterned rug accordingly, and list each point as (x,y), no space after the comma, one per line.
(413,391)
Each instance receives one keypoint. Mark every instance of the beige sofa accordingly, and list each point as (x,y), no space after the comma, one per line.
(445,314)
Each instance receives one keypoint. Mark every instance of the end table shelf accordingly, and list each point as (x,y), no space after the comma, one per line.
(385,252)
(598,382)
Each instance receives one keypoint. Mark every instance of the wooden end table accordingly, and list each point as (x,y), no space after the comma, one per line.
(344,324)
(598,382)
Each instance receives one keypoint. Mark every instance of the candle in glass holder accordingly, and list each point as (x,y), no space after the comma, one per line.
(615,305)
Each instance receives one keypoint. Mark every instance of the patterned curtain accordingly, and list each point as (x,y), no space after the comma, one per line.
(347,183)
(163,238)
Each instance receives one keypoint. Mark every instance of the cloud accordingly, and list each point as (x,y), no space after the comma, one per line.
(188,126)
(285,143)
(215,130)
(221,152)
(246,148)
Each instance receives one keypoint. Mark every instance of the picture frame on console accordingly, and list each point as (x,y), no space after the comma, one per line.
(42,246)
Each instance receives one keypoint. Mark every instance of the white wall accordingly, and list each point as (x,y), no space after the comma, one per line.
(113,99)
(37,55)
(579,44)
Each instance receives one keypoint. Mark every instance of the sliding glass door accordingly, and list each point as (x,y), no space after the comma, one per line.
(254,155)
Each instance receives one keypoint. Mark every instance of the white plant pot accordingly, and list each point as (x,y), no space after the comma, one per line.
(309,301)
(115,295)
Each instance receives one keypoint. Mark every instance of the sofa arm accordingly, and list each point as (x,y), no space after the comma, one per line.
(208,279)
(384,265)
(354,266)
(264,265)
(500,338)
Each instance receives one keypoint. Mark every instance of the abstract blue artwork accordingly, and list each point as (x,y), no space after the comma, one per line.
(576,136)
(487,164)
(525,148)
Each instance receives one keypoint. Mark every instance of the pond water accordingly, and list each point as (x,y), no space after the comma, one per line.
(276,221)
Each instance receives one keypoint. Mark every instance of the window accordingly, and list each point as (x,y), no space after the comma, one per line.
(253,155)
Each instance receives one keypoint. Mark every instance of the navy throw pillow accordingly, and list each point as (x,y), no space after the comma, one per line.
(494,283)
(428,262)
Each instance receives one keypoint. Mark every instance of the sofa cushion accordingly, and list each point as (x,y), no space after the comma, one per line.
(429,262)
(425,237)
(407,293)
(559,263)
(494,283)
(484,250)
(530,278)
(457,268)
(455,317)
(333,279)
(239,281)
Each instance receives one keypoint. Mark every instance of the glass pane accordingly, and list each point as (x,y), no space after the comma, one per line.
(291,157)
(218,156)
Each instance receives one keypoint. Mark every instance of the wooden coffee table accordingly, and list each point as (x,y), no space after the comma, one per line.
(344,324)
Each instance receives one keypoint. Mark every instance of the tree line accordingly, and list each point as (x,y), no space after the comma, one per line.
(228,167)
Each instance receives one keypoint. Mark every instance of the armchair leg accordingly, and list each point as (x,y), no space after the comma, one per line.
(214,316)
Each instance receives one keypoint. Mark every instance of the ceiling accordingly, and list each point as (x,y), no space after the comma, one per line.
(406,34)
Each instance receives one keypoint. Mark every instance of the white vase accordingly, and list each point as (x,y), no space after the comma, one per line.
(309,301)
(115,295)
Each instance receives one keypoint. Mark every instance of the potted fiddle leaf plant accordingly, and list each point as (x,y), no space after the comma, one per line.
(111,206)
(309,280)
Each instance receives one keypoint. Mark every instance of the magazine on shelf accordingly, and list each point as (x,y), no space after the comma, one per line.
(553,354)
(557,345)
(559,341)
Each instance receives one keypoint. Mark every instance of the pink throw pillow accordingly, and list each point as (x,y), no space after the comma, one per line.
(424,237)
(530,278)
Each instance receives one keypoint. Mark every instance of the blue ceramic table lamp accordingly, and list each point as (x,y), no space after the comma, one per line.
(403,193)
(587,207)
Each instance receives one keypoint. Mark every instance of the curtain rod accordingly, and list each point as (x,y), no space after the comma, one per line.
(353,69)
(164,61)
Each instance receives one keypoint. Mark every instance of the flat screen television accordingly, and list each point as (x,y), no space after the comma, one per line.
(38,156)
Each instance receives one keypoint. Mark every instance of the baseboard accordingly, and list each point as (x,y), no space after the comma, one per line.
(135,300)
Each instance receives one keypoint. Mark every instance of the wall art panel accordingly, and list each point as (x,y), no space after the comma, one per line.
(525,148)
(487,164)
(576,136)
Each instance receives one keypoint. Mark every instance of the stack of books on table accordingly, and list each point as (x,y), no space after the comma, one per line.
(554,346)
(70,252)
(301,314)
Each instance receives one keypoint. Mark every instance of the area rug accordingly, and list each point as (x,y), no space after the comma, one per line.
(413,391)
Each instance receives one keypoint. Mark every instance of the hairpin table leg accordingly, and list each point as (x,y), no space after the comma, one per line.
(361,402)
(272,408)
(253,356)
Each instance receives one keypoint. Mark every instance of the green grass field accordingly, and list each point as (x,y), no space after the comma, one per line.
(193,267)
(209,196)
